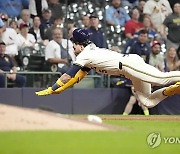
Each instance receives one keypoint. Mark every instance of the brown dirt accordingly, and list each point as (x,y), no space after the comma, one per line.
(137,117)
(17,118)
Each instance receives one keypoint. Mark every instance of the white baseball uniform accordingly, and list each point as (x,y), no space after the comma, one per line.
(132,67)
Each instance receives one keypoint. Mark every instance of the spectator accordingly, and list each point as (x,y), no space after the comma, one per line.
(14,25)
(130,3)
(56,8)
(57,23)
(85,21)
(147,25)
(132,25)
(172,22)
(116,15)
(140,7)
(25,39)
(37,30)
(68,28)
(25,18)
(96,35)
(36,7)
(55,52)
(13,7)
(46,20)
(157,10)
(66,42)
(156,58)
(139,45)
(171,60)
(9,37)
(6,64)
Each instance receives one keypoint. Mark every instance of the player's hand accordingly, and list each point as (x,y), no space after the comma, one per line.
(45,92)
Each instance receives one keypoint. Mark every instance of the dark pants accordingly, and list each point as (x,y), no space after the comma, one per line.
(20,80)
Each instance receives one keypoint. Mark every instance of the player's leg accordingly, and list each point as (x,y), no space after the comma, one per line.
(140,70)
(144,108)
(130,104)
(143,92)
(152,75)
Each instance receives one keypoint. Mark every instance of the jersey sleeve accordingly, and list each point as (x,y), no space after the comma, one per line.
(82,59)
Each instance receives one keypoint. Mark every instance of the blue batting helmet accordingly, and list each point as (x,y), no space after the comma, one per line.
(81,36)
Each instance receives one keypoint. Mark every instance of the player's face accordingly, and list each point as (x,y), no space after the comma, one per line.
(77,48)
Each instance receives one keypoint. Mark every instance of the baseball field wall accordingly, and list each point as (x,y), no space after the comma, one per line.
(82,101)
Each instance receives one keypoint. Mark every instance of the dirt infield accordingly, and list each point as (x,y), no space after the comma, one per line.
(17,118)
(151,117)
(136,117)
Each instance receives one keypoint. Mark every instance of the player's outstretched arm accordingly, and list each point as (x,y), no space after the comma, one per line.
(78,77)
(64,82)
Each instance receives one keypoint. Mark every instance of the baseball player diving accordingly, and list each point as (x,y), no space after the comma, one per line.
(109,62)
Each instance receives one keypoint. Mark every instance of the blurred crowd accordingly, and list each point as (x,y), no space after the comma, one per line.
(43,29)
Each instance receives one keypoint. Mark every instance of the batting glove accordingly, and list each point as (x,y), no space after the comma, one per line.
(45,92)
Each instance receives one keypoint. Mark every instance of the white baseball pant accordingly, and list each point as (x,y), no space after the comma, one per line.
(143,76)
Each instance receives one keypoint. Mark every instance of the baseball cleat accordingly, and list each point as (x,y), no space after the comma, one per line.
(172,90)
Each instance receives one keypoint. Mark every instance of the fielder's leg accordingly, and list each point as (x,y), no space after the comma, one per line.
(144,108)
(130,104)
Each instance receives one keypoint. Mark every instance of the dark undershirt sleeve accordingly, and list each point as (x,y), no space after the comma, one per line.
(85,69)
(75,68)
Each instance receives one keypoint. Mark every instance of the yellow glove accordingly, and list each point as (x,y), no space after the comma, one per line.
(45,92)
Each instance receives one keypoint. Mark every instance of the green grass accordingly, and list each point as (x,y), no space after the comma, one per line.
(130,140)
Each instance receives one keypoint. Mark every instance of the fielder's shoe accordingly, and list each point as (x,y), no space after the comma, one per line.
(172,90)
